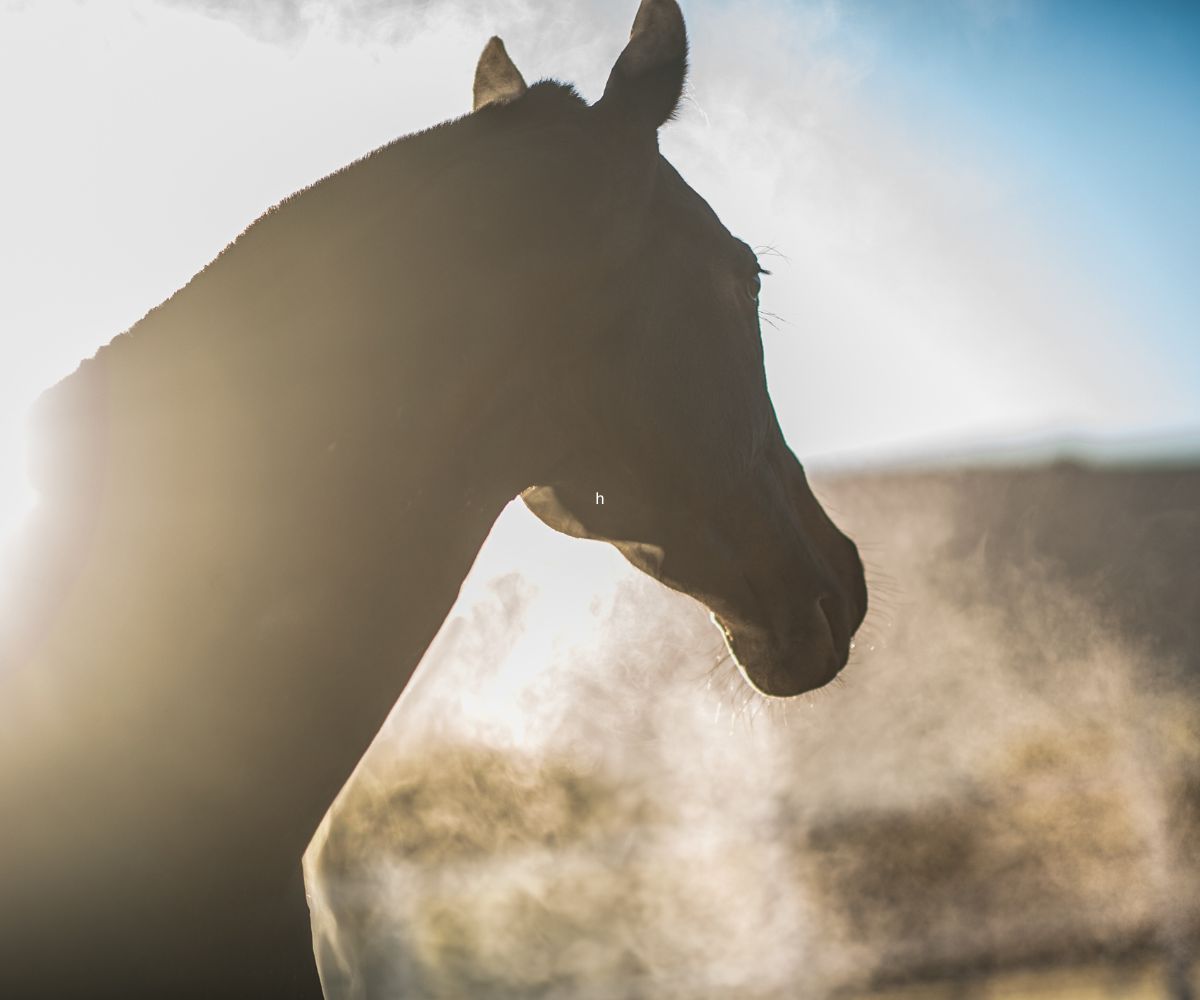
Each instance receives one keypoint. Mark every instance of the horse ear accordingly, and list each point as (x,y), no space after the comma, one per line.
(497,80)
(647,80)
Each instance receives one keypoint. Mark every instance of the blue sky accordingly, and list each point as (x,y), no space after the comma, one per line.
(1093,109)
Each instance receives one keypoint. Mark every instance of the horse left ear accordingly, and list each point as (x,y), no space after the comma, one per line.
(497,79)
(647,80)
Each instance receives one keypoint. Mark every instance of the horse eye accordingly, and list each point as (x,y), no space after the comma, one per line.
(754,287)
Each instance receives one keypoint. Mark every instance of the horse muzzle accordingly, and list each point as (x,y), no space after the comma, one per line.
(795,638)
(807,656)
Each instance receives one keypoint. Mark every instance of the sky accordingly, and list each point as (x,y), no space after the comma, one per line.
(1097,118)
(979,214)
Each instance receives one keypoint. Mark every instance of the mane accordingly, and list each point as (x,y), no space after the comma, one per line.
(408,159)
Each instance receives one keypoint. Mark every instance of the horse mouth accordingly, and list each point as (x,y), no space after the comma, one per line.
(796,665)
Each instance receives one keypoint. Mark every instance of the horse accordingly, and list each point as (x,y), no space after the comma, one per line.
(257,506)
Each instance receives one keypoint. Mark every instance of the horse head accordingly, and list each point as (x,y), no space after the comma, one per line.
(658,435)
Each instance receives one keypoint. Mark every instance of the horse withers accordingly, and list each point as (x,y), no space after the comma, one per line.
(259,503)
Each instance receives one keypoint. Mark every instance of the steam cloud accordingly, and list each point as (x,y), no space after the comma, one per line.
(390,21)
(288,20)
(570,802)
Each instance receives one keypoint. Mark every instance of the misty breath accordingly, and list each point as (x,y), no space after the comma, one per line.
(577,797)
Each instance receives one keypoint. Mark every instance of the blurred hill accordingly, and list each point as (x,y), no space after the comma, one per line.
(1001,799)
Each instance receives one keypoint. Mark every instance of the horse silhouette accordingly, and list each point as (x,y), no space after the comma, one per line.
(259,503)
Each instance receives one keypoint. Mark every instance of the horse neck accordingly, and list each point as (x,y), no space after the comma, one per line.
(246,601)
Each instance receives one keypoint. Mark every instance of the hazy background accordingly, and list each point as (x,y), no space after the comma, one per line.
(577,799)
(982,222)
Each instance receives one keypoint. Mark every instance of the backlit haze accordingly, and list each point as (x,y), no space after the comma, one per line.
(977,214)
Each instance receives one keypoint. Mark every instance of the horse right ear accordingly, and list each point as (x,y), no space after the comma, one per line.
(647,80)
